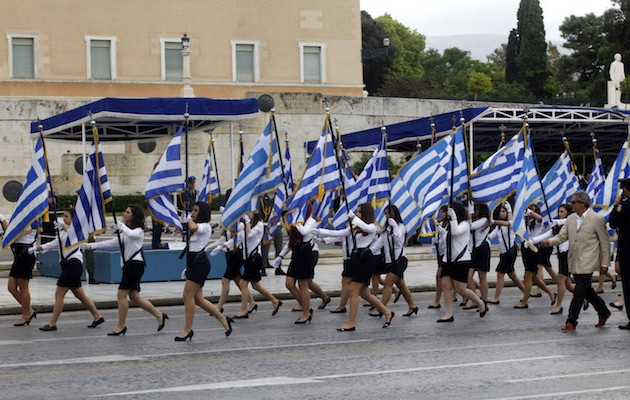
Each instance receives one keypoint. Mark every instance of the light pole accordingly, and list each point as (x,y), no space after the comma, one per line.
(186,90)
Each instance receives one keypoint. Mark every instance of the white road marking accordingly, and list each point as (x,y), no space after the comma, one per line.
(544,378)
(283,380)
(13,342)
(83,360)
(561,394)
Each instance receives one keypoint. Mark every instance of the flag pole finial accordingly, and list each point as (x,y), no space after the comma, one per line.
(326,105)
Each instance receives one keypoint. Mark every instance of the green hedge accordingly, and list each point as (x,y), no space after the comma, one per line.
(120,202)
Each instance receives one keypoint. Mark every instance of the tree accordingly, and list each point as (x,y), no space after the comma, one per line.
(511,51)
(374,68)
(479,83)
(407,45)
(531,60)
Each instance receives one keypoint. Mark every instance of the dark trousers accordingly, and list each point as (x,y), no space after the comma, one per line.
(625,282)
(584,290)
(156,235)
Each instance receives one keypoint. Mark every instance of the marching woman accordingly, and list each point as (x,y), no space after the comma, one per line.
(533,260)
(341,236)
(502,219)
(457,263)
(251,237)
(197,270)
(363,225)
(71,262)
(132,260)
(234,262)
(564,279)
(439,249)
(396,259)
(480,229)
(21,273)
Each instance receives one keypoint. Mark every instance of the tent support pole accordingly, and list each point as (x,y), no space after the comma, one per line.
(83,143)
(232,152)
(470,143)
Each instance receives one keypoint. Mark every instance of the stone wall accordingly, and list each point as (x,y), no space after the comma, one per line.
(301,115)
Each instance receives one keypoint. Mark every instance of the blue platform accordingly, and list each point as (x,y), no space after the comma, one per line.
(162,265)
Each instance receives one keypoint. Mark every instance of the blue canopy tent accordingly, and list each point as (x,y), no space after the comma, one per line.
(146,118)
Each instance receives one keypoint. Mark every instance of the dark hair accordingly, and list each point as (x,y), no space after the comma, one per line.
(294,237)
(255,219)
(204,212)
(69,211)
(393,212)
(460,212)
(569,209)
(536,209)
(367,213)
(482,211)
(137,218)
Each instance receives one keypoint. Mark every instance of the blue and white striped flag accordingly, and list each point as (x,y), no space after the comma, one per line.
(409,209)
(209,182)
(280,198)
(261,174)
(497,177)
(439,188)
(598,177)
(560,184)
(372,185)
(609,192)
(94,194)
(321,176)
(241,163)
(33,200)
(167,178)
(529,191)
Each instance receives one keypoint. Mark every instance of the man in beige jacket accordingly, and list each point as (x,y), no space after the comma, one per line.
(589,249)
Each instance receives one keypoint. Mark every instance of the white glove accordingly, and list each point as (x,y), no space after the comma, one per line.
(2,217)
(471,207)
(556,222)
(528,212)
(246,218)
(86,246)
(351,215)
(277,262)
(183,276)
(221,209)
(507,207)
(57,225)
(187,218)
(32,250)
(316,232)
(452,215)
(216,251)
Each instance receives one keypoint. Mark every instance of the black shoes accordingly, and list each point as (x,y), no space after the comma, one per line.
(122,332)
(616,306)
(28,321)
(236,316)
(164,318)
(387,323)
(298,322)
(183,339)
(255,308)
(48,328)
(451,319)
(96,322)
(276,308)
(229,331)
(324,303)
(625,327)
(559,312)
(346,329)
(411,312)
(338,310)
(279,271)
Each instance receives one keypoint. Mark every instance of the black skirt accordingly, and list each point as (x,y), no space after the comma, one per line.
(198,267)
(481,257)
(398,267)
(252,268)
(380,267)
(23,262)
(458,270)
(71,270)
(347,269)
(131,274)
(234,262)
(302,265)
(530,259)
(507,260)
(362,265)
(563,263)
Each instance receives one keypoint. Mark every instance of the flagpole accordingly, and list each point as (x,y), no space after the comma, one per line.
(216,166)
(187,203)
(51,193)
(280,155)
(537,169)
(449,239)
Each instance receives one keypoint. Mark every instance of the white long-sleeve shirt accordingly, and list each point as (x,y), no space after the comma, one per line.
(200,238)
(366,238)
(480,229)
(439,240)
(132,240)
(331,236)
(395,234)
(54,245)
(254,238)
(563,247)
(506,237)
(460,238)
(306,231)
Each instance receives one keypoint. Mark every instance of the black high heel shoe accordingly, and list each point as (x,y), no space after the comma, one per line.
(411,312)
(183,339)
(236,316)
(276,308)
(28,321)
(164,318)
(387,323)
(122,332)
(255,308)
(310,317)
(230,321)
(616,306)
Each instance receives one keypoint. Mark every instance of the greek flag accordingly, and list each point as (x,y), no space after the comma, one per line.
(529,191)
(242,159)
(321,176)
(280,198)
(372,185)
(498,176)
(438,192)
(261,174)
(94,194)
(409,209)
(167,178)
(606,196)
(560,184)
(598,177)
(33,200)
(209,182)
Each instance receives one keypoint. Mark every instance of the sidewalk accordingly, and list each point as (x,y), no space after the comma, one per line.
(420,276)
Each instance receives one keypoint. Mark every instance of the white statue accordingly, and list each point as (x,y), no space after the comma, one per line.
(617,75)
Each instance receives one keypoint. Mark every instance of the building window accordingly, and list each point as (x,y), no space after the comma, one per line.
(101,58)
(312,58)
(22,57)
(245,61)
(171,60)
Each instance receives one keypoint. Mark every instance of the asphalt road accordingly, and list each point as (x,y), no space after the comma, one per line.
(509,354)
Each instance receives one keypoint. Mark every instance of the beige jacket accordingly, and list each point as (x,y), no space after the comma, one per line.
(589,246)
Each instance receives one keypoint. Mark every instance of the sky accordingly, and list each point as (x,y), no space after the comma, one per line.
(456,17)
